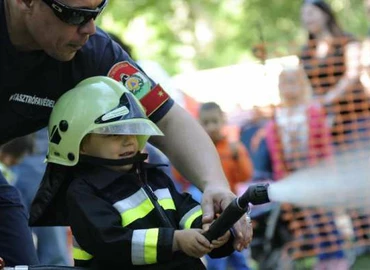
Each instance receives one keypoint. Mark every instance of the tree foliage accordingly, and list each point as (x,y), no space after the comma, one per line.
(193,34)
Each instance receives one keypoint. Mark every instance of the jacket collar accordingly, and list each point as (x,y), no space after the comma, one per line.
(100,177)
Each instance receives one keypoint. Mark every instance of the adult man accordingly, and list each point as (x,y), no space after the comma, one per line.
(46,48)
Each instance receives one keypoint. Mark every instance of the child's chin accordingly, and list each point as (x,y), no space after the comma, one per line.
(126,168)
(123,168)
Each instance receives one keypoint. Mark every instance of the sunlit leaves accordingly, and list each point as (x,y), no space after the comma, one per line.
(185,34)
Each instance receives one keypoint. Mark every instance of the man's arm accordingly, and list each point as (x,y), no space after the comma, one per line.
(192,152)
(190,149)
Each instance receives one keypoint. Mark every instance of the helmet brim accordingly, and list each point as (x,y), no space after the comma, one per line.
(134,126)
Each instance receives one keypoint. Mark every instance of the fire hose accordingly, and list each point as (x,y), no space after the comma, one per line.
(255,194)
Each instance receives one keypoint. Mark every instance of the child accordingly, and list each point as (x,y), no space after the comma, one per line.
(234,156)
(299,137)
(236,165)
(12,154)
(124,213)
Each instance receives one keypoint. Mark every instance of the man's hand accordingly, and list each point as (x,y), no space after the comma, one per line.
(217,198)
(192,242)
(202,168)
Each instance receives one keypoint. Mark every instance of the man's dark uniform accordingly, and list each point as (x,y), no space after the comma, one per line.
(30,83)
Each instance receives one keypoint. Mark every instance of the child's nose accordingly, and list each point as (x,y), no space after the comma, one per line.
(129,139)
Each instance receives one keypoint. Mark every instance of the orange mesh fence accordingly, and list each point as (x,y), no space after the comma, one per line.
(308,127)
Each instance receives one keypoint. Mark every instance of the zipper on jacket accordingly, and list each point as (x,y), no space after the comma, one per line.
(154,199)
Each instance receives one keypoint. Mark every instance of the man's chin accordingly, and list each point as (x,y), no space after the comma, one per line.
(63,57)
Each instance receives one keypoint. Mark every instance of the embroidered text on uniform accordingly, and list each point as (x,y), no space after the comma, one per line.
(34,100)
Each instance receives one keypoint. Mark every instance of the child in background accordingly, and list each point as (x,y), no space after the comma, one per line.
(236,165)
(124,213)
(234,156)
(298,137)
(12,154)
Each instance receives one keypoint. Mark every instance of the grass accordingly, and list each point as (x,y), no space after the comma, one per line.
(362,263)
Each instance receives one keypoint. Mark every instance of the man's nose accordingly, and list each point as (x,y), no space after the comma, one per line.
(88,28)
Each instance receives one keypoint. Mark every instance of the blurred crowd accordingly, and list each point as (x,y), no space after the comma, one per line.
(324,111)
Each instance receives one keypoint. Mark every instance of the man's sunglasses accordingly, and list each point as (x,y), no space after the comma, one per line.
(74,16)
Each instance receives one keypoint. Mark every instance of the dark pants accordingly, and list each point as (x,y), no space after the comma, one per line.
(16,245)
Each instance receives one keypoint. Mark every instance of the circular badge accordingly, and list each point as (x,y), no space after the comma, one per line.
(133,83)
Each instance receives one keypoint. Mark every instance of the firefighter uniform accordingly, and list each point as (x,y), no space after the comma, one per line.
(127,221)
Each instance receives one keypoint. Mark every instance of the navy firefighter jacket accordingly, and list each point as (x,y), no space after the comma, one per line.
(127,220)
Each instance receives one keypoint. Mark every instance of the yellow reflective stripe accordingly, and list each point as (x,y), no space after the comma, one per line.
(190,220)
(136,213)
(167,204)
(190,216)
(165,198)
(150,249)
(79,254)
(131,202)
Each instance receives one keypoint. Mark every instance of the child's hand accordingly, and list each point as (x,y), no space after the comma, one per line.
(192,242)
(219,241)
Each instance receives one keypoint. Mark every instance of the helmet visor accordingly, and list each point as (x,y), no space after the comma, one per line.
(130,127)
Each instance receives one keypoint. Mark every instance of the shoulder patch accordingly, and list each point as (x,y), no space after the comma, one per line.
(131,77)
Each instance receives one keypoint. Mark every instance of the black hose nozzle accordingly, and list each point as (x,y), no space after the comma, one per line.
(255,194)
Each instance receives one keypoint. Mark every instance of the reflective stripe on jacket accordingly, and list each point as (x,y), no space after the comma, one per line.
(128,220)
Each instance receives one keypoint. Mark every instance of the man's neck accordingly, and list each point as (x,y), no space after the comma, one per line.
(17,30)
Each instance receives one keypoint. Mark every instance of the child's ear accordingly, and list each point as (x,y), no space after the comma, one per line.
(82,150)
(83,144)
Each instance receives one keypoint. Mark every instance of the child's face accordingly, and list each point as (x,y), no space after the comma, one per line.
(111,147)
(291,85)
(212,121)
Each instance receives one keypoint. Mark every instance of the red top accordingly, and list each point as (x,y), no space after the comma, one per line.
(235,162)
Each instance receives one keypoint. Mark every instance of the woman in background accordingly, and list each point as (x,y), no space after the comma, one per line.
(331,60)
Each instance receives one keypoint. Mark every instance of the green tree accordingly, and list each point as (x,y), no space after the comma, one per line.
(193,34)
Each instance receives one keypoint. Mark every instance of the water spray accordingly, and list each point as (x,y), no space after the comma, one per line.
(340,183)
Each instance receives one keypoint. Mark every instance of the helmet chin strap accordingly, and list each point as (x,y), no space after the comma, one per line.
(139,157)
